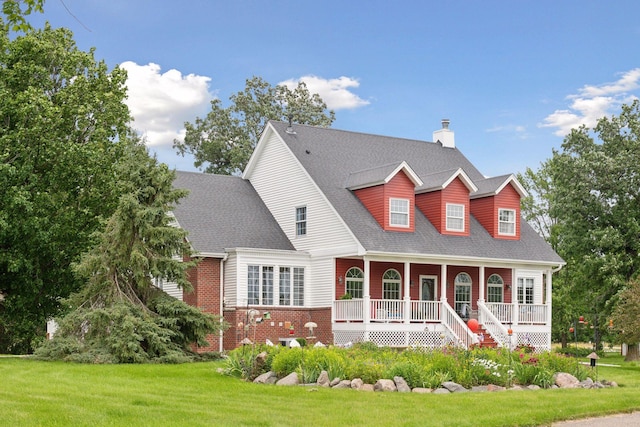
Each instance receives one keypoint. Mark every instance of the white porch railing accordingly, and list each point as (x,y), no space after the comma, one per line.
(348,310)
(386,310)
(456,326)
(493,325)
(425,311)
(519,313)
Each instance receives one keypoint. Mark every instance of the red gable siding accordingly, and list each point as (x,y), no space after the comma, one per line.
(376,200)
(434,206)
(508,198)
(485,210)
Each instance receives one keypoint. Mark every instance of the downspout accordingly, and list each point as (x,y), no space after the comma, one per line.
(220,339)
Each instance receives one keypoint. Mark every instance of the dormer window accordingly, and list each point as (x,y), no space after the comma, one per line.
(455,217)
(399,212)
(507,222)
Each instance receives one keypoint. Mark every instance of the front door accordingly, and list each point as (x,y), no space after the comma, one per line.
(428,288)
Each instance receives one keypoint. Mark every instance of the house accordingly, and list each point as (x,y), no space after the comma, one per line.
(371,238)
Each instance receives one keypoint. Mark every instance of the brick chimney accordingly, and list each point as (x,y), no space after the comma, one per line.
(445,135)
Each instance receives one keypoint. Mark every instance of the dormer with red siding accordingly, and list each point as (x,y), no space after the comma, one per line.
(388,193)
(444,200)
(496,205)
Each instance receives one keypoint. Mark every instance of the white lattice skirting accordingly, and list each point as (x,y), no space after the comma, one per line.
(393,338)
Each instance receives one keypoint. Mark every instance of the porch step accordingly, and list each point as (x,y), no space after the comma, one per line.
(485,339)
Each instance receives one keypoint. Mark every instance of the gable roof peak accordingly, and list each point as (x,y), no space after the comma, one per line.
(380,175)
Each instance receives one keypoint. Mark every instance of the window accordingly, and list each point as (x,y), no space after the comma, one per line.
(285,286)
(253,284)
(301,221)
(462,285)
(525,290)
(355,280)
(455,217)
(494,288)
(291,286)
(267,285)
(391,285)
(399,212)
(507,222)
(298,286)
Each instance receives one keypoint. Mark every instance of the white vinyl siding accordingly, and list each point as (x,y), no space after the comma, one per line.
(399,212)
(455,217)
(507,222)
(171,288)
(283,185)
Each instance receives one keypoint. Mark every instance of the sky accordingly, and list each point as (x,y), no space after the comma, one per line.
(513,77)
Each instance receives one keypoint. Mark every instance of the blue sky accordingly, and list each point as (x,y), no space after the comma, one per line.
(512,76)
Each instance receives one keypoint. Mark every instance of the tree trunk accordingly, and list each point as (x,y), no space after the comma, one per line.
(632,353)
(563,340)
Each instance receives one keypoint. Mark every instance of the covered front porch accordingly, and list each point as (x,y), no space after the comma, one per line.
(418,304)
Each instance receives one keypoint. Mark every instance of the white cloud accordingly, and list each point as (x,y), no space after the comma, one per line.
(161,103)
(519,130)
(335,93)
(594,102)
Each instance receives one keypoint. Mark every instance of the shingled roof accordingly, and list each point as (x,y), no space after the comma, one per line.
(330,156)
(223,212)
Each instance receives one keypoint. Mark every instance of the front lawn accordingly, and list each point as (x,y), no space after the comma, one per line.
(63,394)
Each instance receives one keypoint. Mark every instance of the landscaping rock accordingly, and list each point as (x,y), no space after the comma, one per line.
(533,387)
(480,388)
(323,379)
(264,378)
(385,385)
(588,383)
(367,387)
(566,380)
(441,391)
(493,387)
(334,382)
(454,387)
(291,379)
(343,384)
(357,383)
(421,390)
(401,385)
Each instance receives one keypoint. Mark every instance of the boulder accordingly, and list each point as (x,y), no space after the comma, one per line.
(334,382)
(401,385)
(264,378)
(441,391)
(453,387)
(291,379)
(323,379)
(367,387)
(357,383)
(566,380)
(421,390)
(343,384)
(384,385)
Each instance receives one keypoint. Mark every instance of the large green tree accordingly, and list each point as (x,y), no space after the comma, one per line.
(223,141)
(626,318)
(63,129)
(593,196)
(119,315)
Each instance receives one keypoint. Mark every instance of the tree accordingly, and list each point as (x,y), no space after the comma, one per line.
(226,137)
(63,131)
(626,318)
(593,196)
(120,316)
(15,13)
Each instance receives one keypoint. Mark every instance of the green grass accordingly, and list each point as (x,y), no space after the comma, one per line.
(34,393)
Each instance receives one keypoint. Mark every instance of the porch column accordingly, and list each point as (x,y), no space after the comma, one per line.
(407,292)
(443,283)
(548,280)
(481,284)
(514,297)
(366,296)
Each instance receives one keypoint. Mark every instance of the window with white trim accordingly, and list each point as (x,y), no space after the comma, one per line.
(354,282)
(455,217)
(261,289)
(284,286)
(399,212)
(495,287)
(391,284)
(525,290)
(301,221)
(507,222)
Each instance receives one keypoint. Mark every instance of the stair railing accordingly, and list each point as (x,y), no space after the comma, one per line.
(493,326)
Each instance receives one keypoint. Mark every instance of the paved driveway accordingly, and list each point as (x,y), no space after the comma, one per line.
(619,420)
